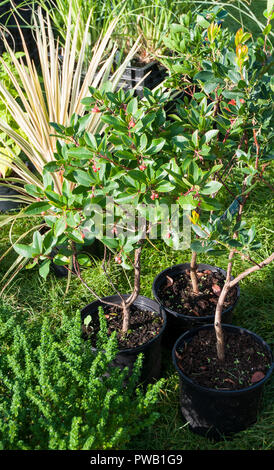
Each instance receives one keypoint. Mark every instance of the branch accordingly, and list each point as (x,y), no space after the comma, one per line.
(251,270)
(137,275)
(256,144)
(108,276)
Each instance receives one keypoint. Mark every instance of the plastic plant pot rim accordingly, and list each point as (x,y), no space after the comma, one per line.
(214,391)
(180,268)
(140,301)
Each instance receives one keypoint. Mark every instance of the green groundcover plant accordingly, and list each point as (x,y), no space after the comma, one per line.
(56,394)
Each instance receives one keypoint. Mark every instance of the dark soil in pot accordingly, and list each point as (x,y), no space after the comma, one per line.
(147,324)
(246,360)
(219,399)
(172,288)
(177,293)
(144,326)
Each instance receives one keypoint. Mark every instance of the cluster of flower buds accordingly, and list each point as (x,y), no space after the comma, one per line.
(95,109)
(131,123)
(154,195)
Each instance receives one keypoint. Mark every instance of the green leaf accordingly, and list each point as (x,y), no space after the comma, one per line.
(82,177)
(58,127)
(202,21)
(61,260)
(60,226)
(198,247)
(49,242)
(164,187)
(114,122)
(195,138)
(76,236)
(205,76)
(24,250)
(37,208)
(251,234)
(48,180)
(54,198)
(180,141)
(37,242)
(83,122)
(199,231)
(52,167)
(90,140)
(235,244)
(187,202)
(211,187)
(210,134)
(32,264)
(155,147)
(125,154)
(84,260)
(34,190)
(132,106)
(210,204)
(177,179)
(111,243)
(210,86)
(44,268)
(137,176)
(267,29)
(143,142)
(80,152)
(148,119)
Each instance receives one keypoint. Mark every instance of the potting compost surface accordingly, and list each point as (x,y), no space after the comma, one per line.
(246,361)
(144,326)
(177,294)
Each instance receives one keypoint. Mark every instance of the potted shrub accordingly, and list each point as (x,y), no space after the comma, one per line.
(223,368)
(100,174)
(189,291)
(229,400)
(231,116)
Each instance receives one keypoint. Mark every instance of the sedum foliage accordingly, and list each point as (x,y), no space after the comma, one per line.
(56,394)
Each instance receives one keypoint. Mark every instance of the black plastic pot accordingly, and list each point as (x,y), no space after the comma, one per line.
(133,74)
(12,34)
(178,323)
(152,362)
(9,201)
(219,413)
